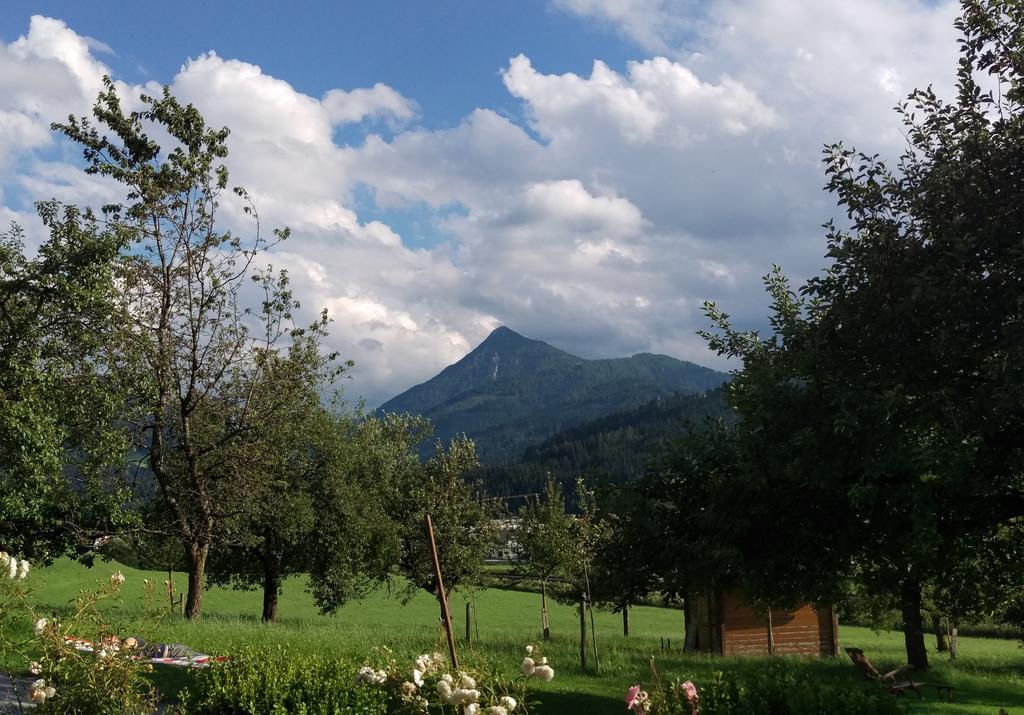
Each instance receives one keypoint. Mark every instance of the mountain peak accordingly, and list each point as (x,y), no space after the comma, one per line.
(511,391)
(504,334)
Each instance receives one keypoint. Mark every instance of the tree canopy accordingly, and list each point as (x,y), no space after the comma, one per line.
(880,431)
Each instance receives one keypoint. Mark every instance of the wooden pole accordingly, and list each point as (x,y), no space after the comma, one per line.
(442,597)
(583,632)
(476,623)
(544,624)
(771,634)
(469,632)
(593,629)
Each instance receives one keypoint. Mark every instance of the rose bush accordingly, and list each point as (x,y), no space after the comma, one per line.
(429,685)
(72,678)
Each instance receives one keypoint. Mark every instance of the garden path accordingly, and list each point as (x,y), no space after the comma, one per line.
(8,697)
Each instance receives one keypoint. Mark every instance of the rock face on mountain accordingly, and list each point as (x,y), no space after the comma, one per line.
(512,392)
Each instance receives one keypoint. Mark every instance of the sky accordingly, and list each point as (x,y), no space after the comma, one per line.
(586,172)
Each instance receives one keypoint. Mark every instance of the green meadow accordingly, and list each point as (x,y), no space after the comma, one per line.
(989,673)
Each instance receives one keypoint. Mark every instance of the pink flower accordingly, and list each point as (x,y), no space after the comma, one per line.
(691,691)
(631,699)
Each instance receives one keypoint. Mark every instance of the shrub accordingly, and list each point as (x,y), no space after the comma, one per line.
(429,685)
(274,681)
(775,688)
(106,681)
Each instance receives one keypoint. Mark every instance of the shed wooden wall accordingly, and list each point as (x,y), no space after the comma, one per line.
(732,627)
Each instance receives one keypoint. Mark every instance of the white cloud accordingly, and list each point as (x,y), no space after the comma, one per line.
(632,195)
(378,101)
(655,25)
(658,101)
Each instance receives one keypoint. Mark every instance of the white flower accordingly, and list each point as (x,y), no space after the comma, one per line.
(465,696)
(544,672)
(544,661)
(23,568)
(40,692)
(5,559)
(528,666)
(366,674)
(444,690)
(471,709)
(12,566)
(380,677)
(35,668)
(448,679)
(466,681)
(429,662)
(408,689)
(102,653)
(508,702)
(417,678)
(529,650)
(497,710)
(116,579)
(40,626)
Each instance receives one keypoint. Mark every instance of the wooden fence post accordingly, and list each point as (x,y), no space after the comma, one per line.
(583,632)
(442,597)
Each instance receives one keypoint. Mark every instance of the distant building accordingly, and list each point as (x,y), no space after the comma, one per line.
(506,549)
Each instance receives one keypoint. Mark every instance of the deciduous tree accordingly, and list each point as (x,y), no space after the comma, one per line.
(185,359)
(545,538)
(62,477)
(882,418)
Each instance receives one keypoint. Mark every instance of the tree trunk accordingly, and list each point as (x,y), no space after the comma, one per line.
(625,621)
(583,632)
(197,571)
(271,589)
(913,625)
(544,610)
(940,636)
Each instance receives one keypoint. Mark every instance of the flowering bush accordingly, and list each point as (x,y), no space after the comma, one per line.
(428,686)
(105,680)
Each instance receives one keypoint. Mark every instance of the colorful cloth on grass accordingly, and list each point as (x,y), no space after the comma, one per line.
(173,654)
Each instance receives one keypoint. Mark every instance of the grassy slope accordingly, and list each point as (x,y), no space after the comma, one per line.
(989,674)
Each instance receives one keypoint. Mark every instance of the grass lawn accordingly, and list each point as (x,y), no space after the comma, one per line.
(988,675)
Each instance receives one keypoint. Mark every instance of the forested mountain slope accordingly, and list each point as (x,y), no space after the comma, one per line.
(614,448)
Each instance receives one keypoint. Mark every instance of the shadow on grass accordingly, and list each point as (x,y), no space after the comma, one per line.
(580,703)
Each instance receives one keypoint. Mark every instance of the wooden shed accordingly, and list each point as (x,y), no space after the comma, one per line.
(722,622)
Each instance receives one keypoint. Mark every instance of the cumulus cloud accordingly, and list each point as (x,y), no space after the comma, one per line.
(625,198)
(377,101)
(44,75)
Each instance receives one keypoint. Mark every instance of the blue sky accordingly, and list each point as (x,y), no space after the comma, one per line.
(447,55)
(587,172)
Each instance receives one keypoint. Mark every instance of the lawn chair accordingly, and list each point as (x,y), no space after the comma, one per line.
(897,681)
